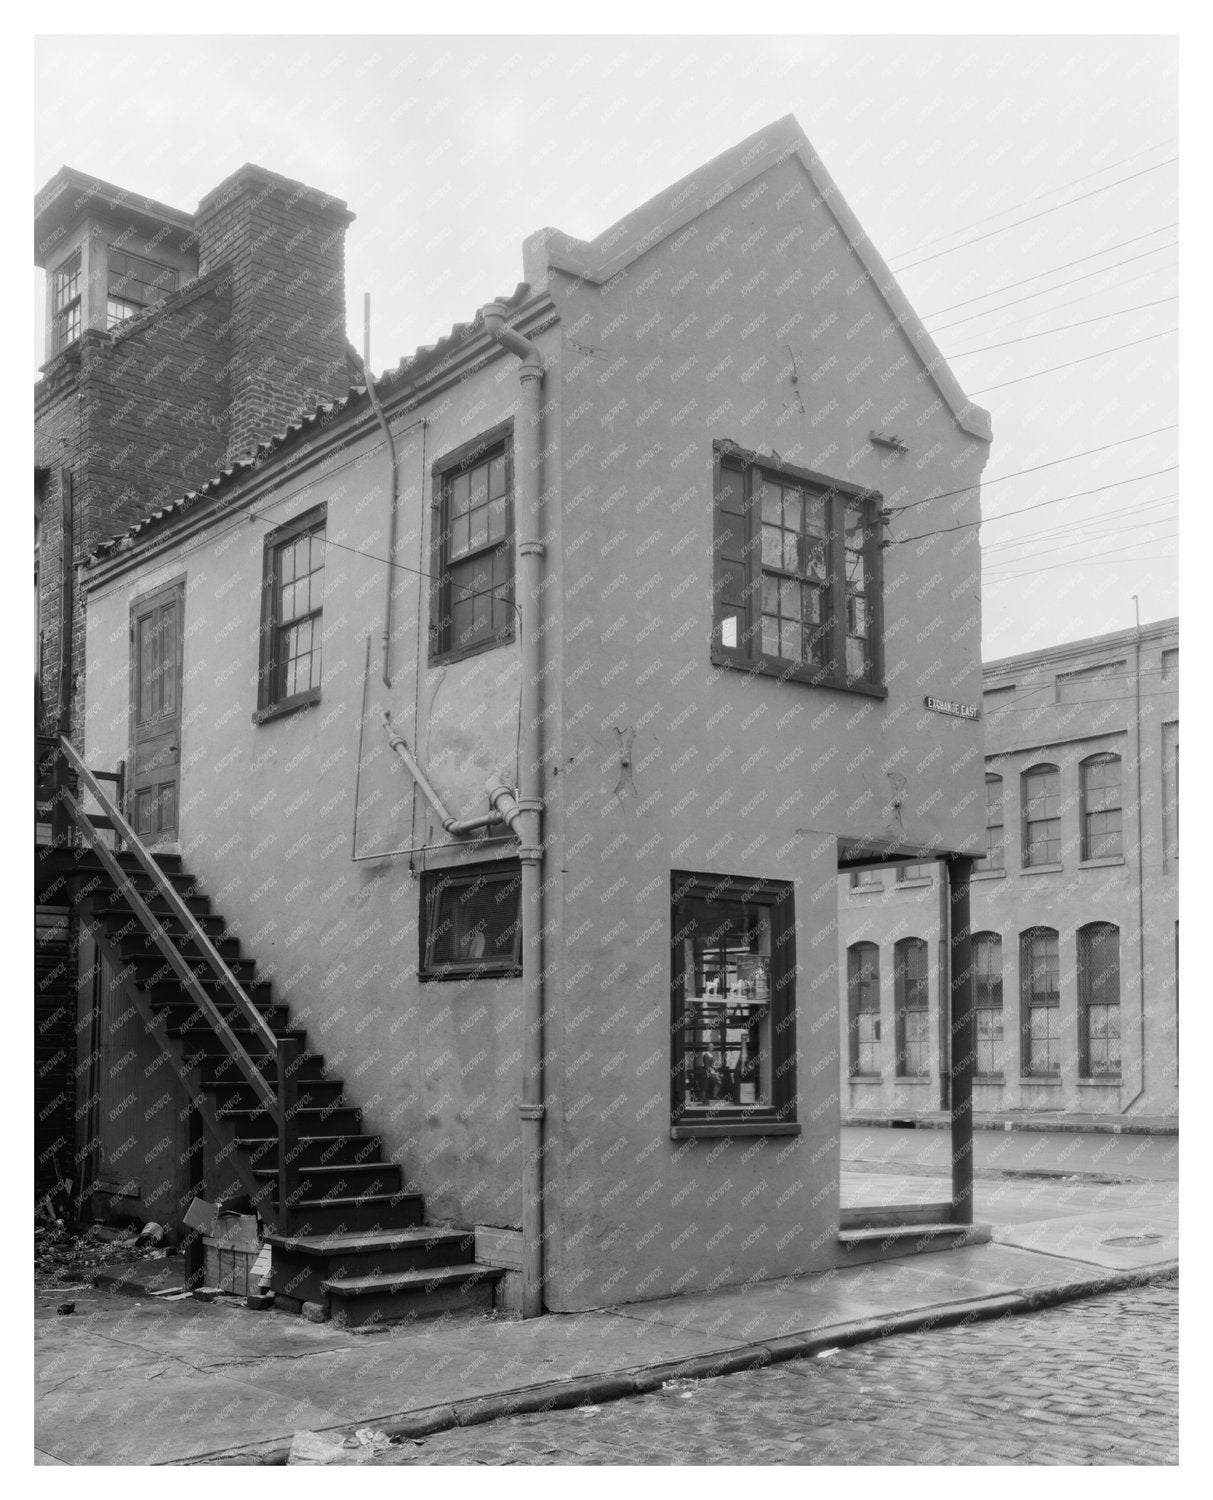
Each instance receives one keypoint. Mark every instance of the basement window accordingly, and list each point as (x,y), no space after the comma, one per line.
(797,575)
(292,589)
(733,988)
(471,922)
(472,549)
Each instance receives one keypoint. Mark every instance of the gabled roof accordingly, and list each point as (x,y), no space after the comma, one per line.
(598,260)
(70,195)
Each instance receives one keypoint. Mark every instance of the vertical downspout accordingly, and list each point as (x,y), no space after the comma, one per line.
(530,554)
(1141,874)
(393,482)
(67,600)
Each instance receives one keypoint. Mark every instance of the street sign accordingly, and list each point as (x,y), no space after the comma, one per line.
(952,709)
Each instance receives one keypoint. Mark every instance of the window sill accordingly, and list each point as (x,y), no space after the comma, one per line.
(914,885)
(1101,864)
(717,1128)
(988,875)
(1101,1083)
(445,658)
(458,976)
(1041,1083)
(786,671)
(994,1078)
(900,1078)
(287,706)
(867,1078)
(869,888)
(1042,869)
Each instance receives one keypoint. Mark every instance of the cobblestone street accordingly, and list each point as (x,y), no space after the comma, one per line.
(1093,1382)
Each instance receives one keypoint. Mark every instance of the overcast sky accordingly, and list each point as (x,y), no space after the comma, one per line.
(452,150)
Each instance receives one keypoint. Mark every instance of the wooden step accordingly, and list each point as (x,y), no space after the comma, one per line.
(341,1180)
(233,1095)
(312,1216)
(302,1263)
(257,1125)
(406,1296)
(316,1150)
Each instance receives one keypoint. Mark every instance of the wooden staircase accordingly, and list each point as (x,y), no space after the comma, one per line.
(346,1232)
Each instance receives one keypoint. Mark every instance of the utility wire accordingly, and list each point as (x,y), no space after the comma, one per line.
(1074,280)
(1048,464)
(1062,327)
(1034,198)
(1043,213)
(1065,266)
(1032,708)
(1052,369)
(1083,562)
(1090,529)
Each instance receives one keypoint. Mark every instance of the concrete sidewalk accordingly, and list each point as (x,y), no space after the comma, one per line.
(140,1381)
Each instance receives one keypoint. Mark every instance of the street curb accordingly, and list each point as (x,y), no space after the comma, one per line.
(587,1390)
(1002,1122)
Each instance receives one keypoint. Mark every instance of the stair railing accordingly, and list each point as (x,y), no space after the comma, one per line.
(267,1091)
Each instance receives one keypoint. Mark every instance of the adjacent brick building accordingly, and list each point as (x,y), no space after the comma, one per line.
(1075,905)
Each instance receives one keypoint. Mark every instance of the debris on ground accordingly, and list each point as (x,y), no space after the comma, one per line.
(69,1255)
(335,1448)
(65,1309)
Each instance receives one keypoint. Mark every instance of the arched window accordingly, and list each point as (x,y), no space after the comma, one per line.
(1099,1000)
(1041,791)
(863,1007)
(992,859)
(911,992)
(987,1002)
(1040,991)
(1099,778)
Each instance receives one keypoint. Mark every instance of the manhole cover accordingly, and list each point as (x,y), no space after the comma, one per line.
(1133,1239)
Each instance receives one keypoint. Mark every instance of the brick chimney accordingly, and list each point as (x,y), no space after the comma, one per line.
(283,245)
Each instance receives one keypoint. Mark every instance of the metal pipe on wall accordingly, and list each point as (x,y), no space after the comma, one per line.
(525,816)
(393,481)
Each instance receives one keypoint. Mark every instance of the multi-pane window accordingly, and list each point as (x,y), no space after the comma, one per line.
(733,974)
(1041,816)
(1040,981)
(1101,812)
(911,994)
(293,588)
(1099,1000)
(992,859)
(473,551)
(922,871)
(796,565)
(863,1007)
(65,302)
(134,283)
(471,922)
(987,1002)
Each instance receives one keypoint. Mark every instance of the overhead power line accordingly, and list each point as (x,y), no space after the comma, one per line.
(1083,563)
(1052,369)
(1043,213)
(1044,291)
(1033,198)
(1064,266)
(1062,327)
(1005,567)
(1035,468)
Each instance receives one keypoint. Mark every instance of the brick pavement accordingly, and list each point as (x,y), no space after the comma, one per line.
(1093,1382)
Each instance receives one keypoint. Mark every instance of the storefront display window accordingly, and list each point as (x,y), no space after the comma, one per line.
(733,982)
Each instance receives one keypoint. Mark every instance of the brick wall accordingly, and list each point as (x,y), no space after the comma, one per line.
(284,249)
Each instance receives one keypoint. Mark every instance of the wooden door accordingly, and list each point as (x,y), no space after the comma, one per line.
(155,761)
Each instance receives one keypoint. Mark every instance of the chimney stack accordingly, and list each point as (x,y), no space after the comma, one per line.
(283,245)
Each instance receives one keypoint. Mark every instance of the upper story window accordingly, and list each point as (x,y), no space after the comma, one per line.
(65,302)
(134,283)
(471,922)
(1041,816)
(993,858)
(1101,812)
(797,575)
(911,994)
(473,549)
(292,588)
(733,967)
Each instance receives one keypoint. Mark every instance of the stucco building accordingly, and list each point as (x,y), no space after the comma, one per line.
(528,705)
(1075,903)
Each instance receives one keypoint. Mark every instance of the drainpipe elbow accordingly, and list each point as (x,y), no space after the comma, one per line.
(494,315)
(504,801)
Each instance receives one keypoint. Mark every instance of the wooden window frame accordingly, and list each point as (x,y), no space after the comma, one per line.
(433,885)
(854,1011)
(61,314)
(987,861)
(269,705)
(1086,812)
(1028,822)
(902,995)
(983,997)
(1028,1004)
(466,456)
(748,656)
(779,1116)
(1087,1001)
